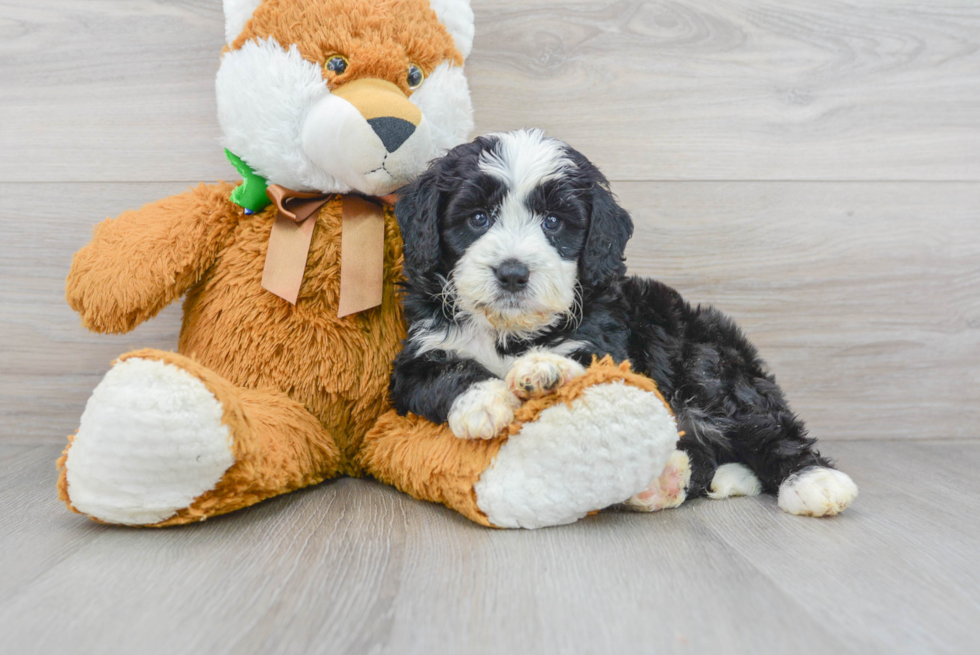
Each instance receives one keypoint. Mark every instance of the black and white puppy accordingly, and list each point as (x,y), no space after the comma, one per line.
(515,276)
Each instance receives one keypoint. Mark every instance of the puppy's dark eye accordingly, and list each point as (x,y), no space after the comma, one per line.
(479,220)
(337,64)
(551,223)
(415,76)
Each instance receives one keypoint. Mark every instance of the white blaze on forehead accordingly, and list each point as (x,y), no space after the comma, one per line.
(523,160)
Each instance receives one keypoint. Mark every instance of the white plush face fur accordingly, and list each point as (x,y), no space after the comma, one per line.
(278,115)
(523,161)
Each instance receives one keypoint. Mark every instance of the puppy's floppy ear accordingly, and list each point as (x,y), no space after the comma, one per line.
(417,211)
(610,227)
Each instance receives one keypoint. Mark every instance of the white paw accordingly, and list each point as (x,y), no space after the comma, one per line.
(817,491)
(667,491)
(540,372)
(483,410)
(734,480)
(149,442)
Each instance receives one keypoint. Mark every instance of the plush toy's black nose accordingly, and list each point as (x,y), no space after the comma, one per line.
(392,131)
(513,275)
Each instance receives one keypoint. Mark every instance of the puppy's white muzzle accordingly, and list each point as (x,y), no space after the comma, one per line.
(368,135)
(514,277)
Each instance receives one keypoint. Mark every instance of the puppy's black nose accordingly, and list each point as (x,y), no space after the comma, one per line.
(392,131)
(513,275)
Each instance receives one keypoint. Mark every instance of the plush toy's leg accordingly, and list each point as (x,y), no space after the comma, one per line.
(596,442)
(165,441)
(428,461)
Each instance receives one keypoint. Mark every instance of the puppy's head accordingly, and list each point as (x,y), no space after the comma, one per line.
(507,229)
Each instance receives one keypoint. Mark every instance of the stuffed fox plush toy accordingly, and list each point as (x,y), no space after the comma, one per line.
(291,316)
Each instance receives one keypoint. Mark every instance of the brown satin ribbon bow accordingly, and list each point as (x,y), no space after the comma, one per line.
(361,247)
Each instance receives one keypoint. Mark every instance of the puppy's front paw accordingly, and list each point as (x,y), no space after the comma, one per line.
(540,372)
(483,410)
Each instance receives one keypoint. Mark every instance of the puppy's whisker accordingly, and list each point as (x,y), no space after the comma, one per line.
(449,298)
(575,313)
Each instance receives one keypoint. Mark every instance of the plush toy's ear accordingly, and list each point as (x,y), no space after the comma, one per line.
(610,227)
(417,211)
(237,13)
(457,17)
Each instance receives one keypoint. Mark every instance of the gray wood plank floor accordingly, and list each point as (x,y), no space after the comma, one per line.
(352,566)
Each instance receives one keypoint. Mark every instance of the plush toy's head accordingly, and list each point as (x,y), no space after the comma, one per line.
(344,95)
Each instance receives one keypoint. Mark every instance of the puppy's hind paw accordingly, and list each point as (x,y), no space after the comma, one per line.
(483,410)
(667,491)
(817,491)
(732,480)
(540,372)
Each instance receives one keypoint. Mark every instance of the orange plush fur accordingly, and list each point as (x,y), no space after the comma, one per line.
(245,343)
(379,39)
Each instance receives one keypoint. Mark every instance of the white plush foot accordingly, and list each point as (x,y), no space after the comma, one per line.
(578,457)
(667,491)
(150,441)
(483,410)
(540,372)
(817,491)
(734,480)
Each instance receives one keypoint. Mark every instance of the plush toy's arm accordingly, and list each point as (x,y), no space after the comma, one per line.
(427,384)
(140,262)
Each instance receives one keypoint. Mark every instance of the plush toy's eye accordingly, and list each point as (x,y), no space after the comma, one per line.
(415,76)
(479,220)
(551,223)
(337,64)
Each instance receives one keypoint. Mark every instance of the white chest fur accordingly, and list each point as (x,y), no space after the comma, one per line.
(467,341)
(477,342)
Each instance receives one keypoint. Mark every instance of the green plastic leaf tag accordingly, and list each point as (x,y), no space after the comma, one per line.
(250,194)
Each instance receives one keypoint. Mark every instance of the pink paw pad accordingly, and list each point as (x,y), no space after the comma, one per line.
(667,491)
